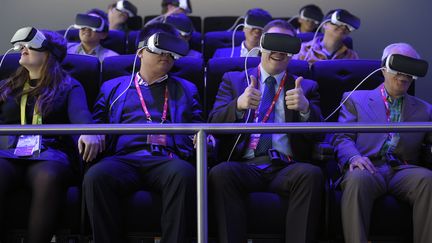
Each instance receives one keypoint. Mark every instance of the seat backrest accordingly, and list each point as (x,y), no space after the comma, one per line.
(217,67)
(335,77)
(132,42)
(189,68)
(135,23)
(116,40)
(196,21)
(220,39)
(219,23)
(85,69)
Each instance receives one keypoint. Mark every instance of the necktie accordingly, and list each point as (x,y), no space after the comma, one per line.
(265,142)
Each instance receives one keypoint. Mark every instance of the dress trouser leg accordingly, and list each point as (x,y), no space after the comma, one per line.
(414,184)
(360,189)
(230,182)
(105,185)
(302,183)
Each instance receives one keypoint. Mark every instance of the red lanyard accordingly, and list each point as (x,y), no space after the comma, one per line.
(270,109)
(386,103)
(147,113)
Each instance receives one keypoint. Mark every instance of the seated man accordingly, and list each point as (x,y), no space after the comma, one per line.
(156,161)
(310,17)
(176,6)
(119,13)
(93,29)
(378,163)
(285,99)
(254,22)
(338,25)
(184,26)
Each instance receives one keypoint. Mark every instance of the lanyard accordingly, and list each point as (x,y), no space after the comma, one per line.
(147,113)
(386,103)
(37,117)
(270,109)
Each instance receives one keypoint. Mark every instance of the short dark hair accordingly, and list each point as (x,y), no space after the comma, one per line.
(151,29)
(102,15)
(259,13)
(57,42)
(281,24)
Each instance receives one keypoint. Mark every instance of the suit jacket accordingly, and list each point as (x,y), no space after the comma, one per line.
(183,105)
(226,52)
(368,106)
(224,110)
(69,106)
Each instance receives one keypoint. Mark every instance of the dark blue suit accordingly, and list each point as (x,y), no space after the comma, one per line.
(119,175)
(232,181)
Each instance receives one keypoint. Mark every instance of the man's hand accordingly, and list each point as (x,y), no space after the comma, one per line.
(362,163)
(89,146)
(250,98)
(295,99)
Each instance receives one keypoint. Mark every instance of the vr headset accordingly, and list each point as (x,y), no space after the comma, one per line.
(126,7)
(33,39)
(160,43)
(343,17)
(311,14)
(181,22)
(396,63)
(255,22)
(277,42)
(90,21)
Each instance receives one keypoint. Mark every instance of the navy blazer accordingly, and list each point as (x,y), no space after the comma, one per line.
(224,110)
(183,105)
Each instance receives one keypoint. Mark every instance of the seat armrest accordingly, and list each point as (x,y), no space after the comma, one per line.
(323,151)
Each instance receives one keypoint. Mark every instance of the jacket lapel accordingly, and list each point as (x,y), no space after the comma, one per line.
(289,84)
(408,107)
(172,99)
(118,106)
(376,109)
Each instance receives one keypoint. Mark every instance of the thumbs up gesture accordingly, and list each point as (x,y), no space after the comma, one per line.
(250,98)
(295,99)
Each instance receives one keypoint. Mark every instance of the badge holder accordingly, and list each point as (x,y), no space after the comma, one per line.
(28,145)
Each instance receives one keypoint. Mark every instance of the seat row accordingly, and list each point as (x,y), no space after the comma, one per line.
(334,77)
(207,43)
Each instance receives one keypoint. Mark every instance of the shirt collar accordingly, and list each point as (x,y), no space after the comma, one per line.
(244,51)
(141,81)
(94,52)
(390,99)
(265,75)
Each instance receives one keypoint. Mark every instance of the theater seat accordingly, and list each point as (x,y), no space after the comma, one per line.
(220,39)
(335,77)
(86,70)
(116,40)
(219,23)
